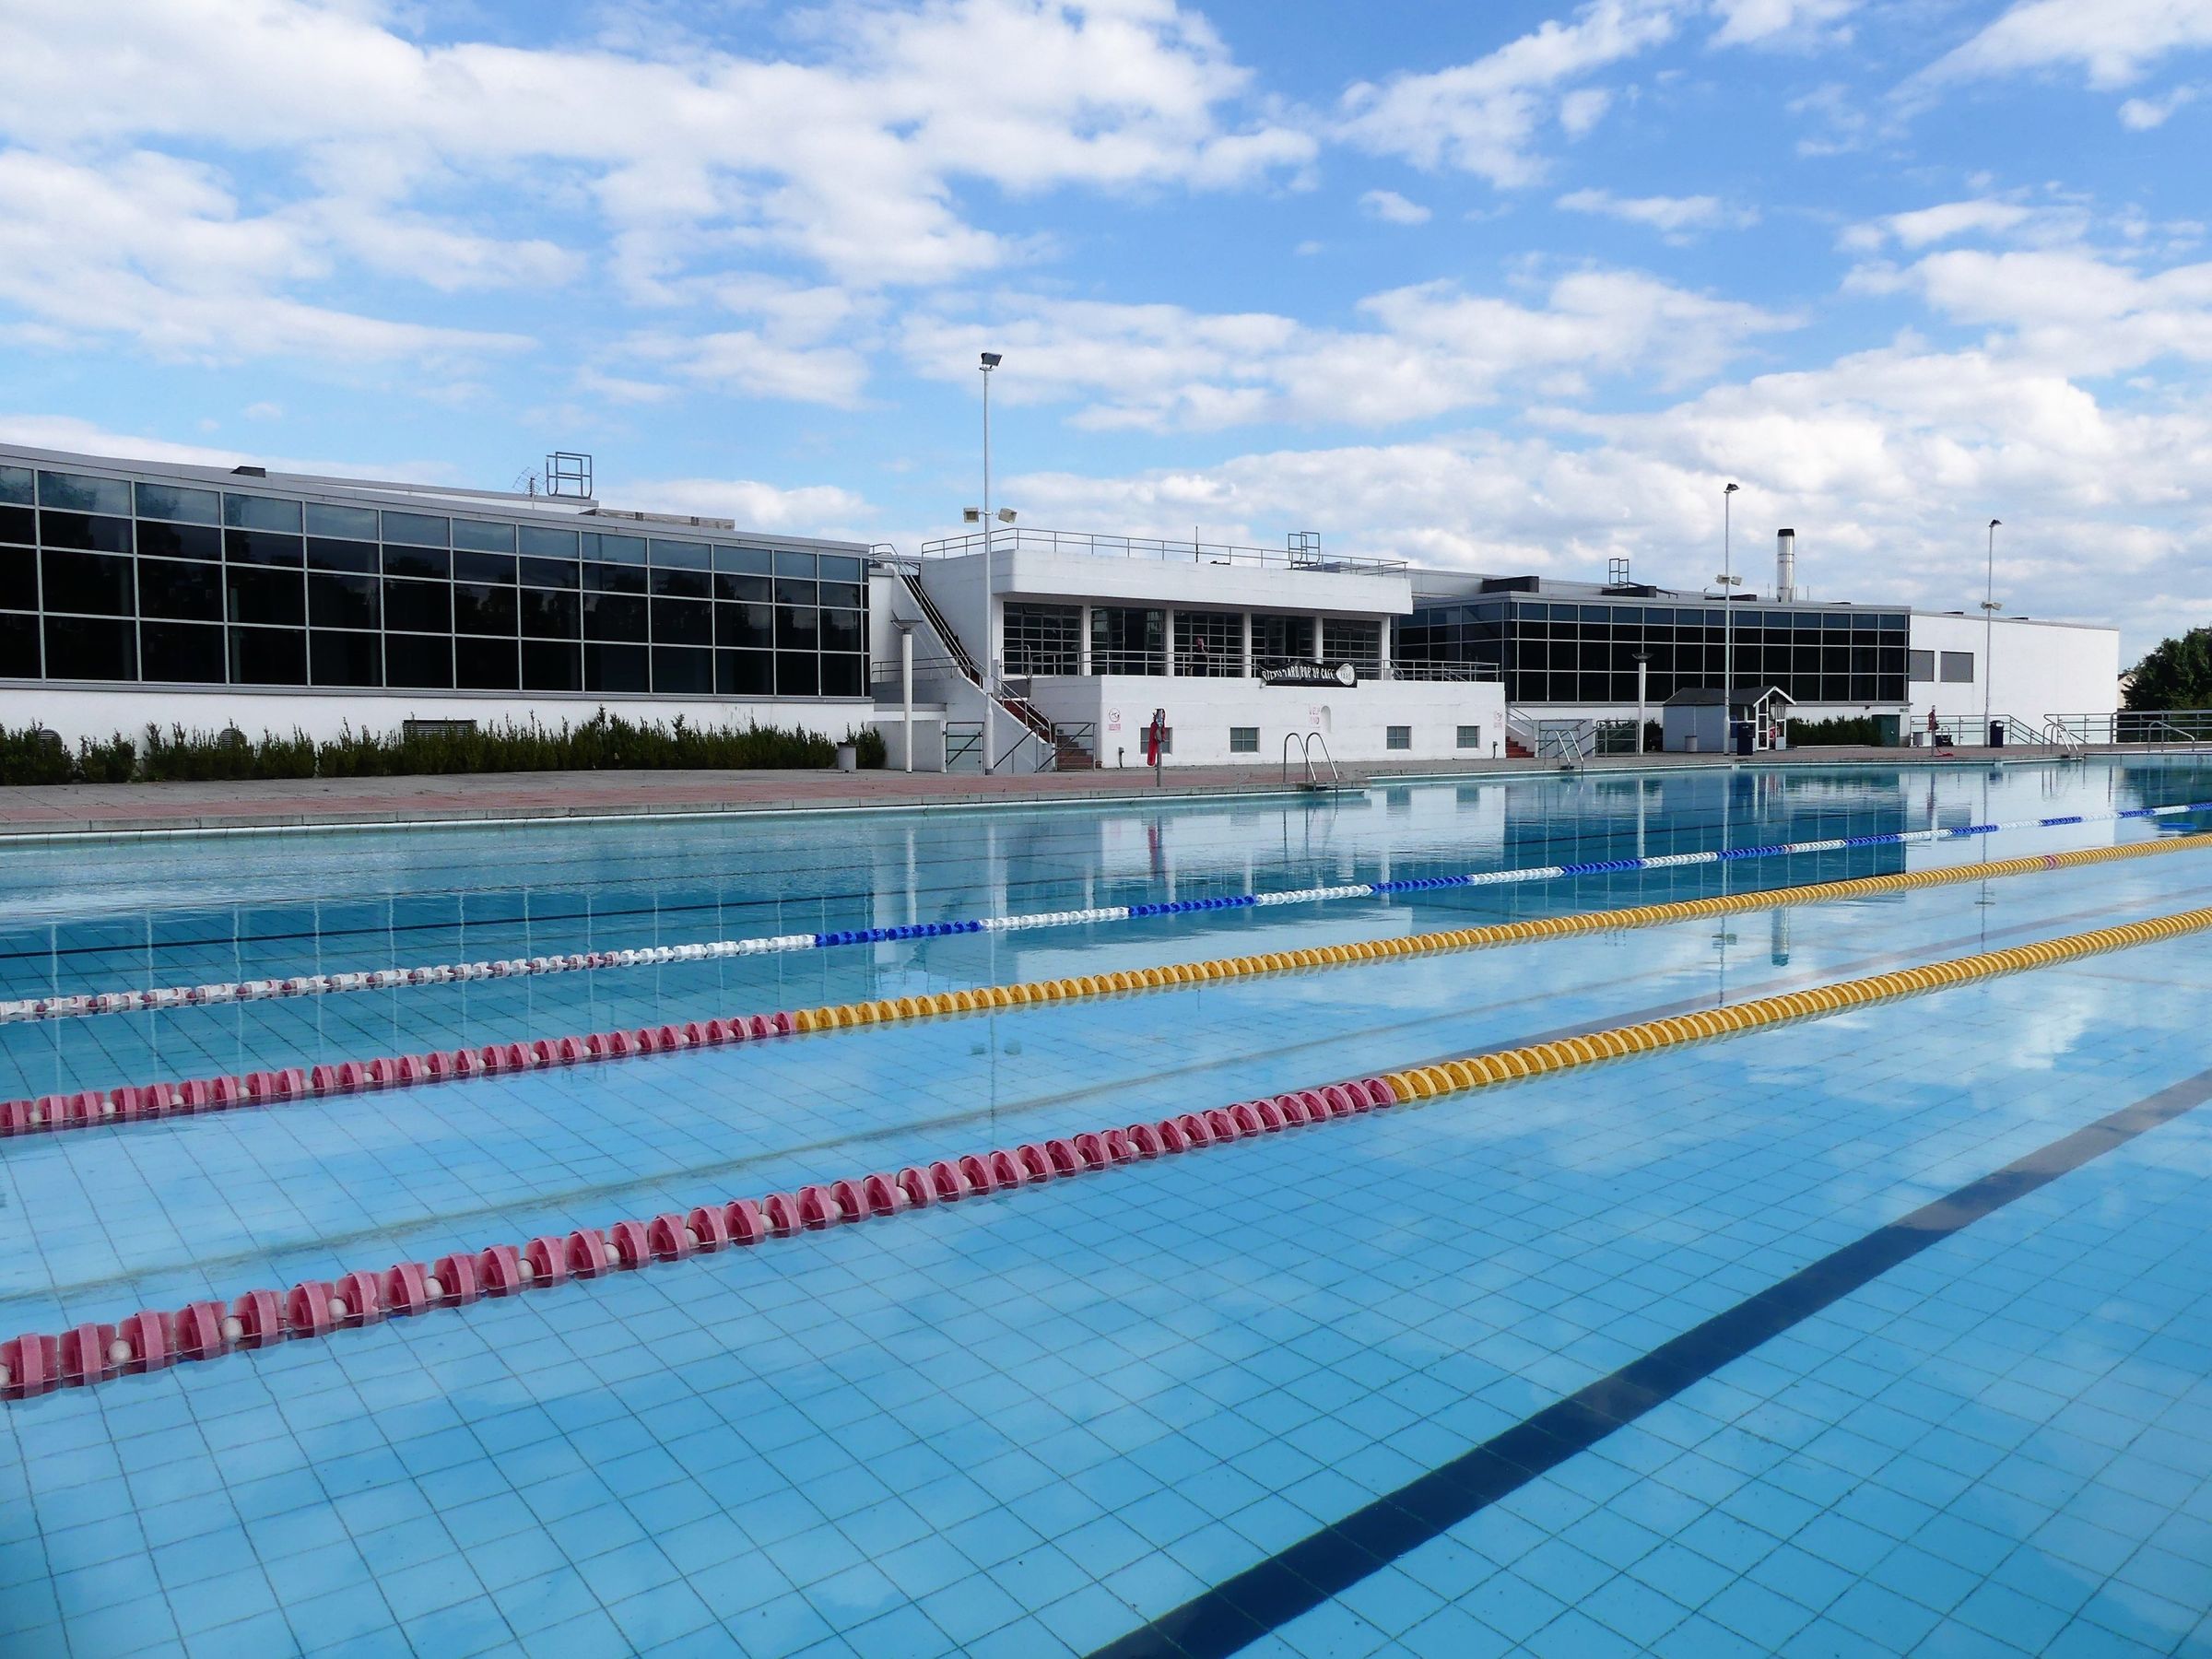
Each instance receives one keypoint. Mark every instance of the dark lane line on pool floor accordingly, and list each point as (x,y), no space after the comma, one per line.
(1270,1595)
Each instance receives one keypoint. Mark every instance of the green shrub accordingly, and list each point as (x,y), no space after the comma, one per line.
(604,743)
(868,748)
(1857,730)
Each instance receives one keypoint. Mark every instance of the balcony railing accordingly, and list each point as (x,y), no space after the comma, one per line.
(1303,553)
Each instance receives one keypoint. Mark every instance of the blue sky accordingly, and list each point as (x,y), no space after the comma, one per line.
(1500,285)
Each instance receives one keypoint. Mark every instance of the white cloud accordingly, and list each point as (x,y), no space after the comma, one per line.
(1944,222)
(74,435)
(1483,117)
(808,509)
(2068,308)
(1886,462)
(1431,349)
(264,410)
(155,249)
(2114,42)
(1774,22)
(847,159)
(1673,216)
(1393,208)
(2141,114)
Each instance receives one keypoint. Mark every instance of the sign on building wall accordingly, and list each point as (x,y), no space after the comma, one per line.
(1310,673)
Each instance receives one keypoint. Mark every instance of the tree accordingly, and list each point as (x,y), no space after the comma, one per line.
(2176,674)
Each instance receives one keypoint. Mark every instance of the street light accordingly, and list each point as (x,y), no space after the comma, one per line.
(1727,579)
(991,360)
(1990,608)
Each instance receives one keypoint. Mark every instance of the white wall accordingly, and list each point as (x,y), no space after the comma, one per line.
(1351,719)
(2041,668)
(100,712)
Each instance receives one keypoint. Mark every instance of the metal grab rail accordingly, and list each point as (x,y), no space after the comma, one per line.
(2161,727)
(1305,748)
(963,741)
(1303,554)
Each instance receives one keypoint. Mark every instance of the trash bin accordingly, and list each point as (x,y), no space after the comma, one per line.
(1744,736)
(848,758)
(1996,734)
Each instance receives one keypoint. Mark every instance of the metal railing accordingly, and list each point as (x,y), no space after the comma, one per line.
(1303,553)
(2160,728)
(1305,742)
(963,746)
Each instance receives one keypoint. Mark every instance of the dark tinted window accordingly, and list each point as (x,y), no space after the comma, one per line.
(687,555)
(19,647)
(18,581)
(676,669)
(486,665)
(482,609)
(850,595)
(261,547)
(751,561)
(80,493)
(180,541)
(798,673)
(790,592)
(680,622)
(549,573)
(416,529)
(417,561)
(268,657)
(840,567)
(189,592)
(547,544)
(342,601)
(797,628)
(90,648)
(277,597)
(745,674)
(483,538)
(614,579)
(841,631)
(341,556)
(616,669)
(83,530)
(614,549)
(86,582)
(613,616)
(421,607)
(346,659)
(762,588)
(682,584)
(550,616)
(484,567)
(843,676)
(752,626)
(260,512)
(18,525)
(417,660)
(345,524)
(181,651)
(799,566)
(16,486)
(175,501)
(547,666)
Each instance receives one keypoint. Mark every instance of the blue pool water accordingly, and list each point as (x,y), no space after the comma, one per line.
(1142,1410)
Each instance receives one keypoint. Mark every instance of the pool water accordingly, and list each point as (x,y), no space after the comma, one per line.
(1320,1392)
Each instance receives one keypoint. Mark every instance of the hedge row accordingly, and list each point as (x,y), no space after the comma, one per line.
(604,743)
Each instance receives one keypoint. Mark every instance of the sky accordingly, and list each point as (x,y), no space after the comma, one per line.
(1494,285)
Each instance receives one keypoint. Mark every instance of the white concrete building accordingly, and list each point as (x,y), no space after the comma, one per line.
(1247,653)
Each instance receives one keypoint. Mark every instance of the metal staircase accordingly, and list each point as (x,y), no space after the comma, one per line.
(1064,745)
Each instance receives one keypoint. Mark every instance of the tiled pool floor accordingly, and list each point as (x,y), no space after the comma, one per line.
(1043,1422)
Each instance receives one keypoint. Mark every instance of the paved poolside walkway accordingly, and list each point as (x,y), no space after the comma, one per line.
(120,807)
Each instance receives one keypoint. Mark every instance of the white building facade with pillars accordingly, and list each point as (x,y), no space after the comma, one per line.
(1095,635)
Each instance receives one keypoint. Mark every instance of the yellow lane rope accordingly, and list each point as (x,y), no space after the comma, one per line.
(888,1010)
(1476,1071)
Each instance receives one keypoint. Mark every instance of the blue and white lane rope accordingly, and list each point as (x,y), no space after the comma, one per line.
(324,985)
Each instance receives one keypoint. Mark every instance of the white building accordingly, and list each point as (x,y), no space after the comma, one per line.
(1247,654)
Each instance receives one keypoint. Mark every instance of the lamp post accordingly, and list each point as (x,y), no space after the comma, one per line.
(1988,621)
(1727,622)
(991,360)
(1644,670)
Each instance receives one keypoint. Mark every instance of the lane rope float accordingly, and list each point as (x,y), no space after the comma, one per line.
(154,1339)
(82,1005)
(90,1107)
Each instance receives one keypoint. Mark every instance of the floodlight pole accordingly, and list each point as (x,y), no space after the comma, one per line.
(1989,622)
(1727,624)
(990,742)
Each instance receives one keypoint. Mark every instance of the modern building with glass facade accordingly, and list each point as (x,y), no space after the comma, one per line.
(1572,649)
(132,591)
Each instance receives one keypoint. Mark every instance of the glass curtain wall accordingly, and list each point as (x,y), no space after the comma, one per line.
(1125,639)
(1043,639)
(111,578)
(1585,653)
(1210,644)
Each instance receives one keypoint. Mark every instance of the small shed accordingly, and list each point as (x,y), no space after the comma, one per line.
(1694,722)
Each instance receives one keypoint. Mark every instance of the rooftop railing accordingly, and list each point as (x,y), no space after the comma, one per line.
(1303,553)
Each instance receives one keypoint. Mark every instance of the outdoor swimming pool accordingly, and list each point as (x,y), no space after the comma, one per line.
(1885,1332)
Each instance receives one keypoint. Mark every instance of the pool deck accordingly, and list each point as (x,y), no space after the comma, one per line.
(263,804)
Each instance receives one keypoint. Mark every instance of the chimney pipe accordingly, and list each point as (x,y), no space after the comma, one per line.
(1785,565)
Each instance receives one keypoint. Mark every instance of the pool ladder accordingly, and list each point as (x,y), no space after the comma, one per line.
(1314,781)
